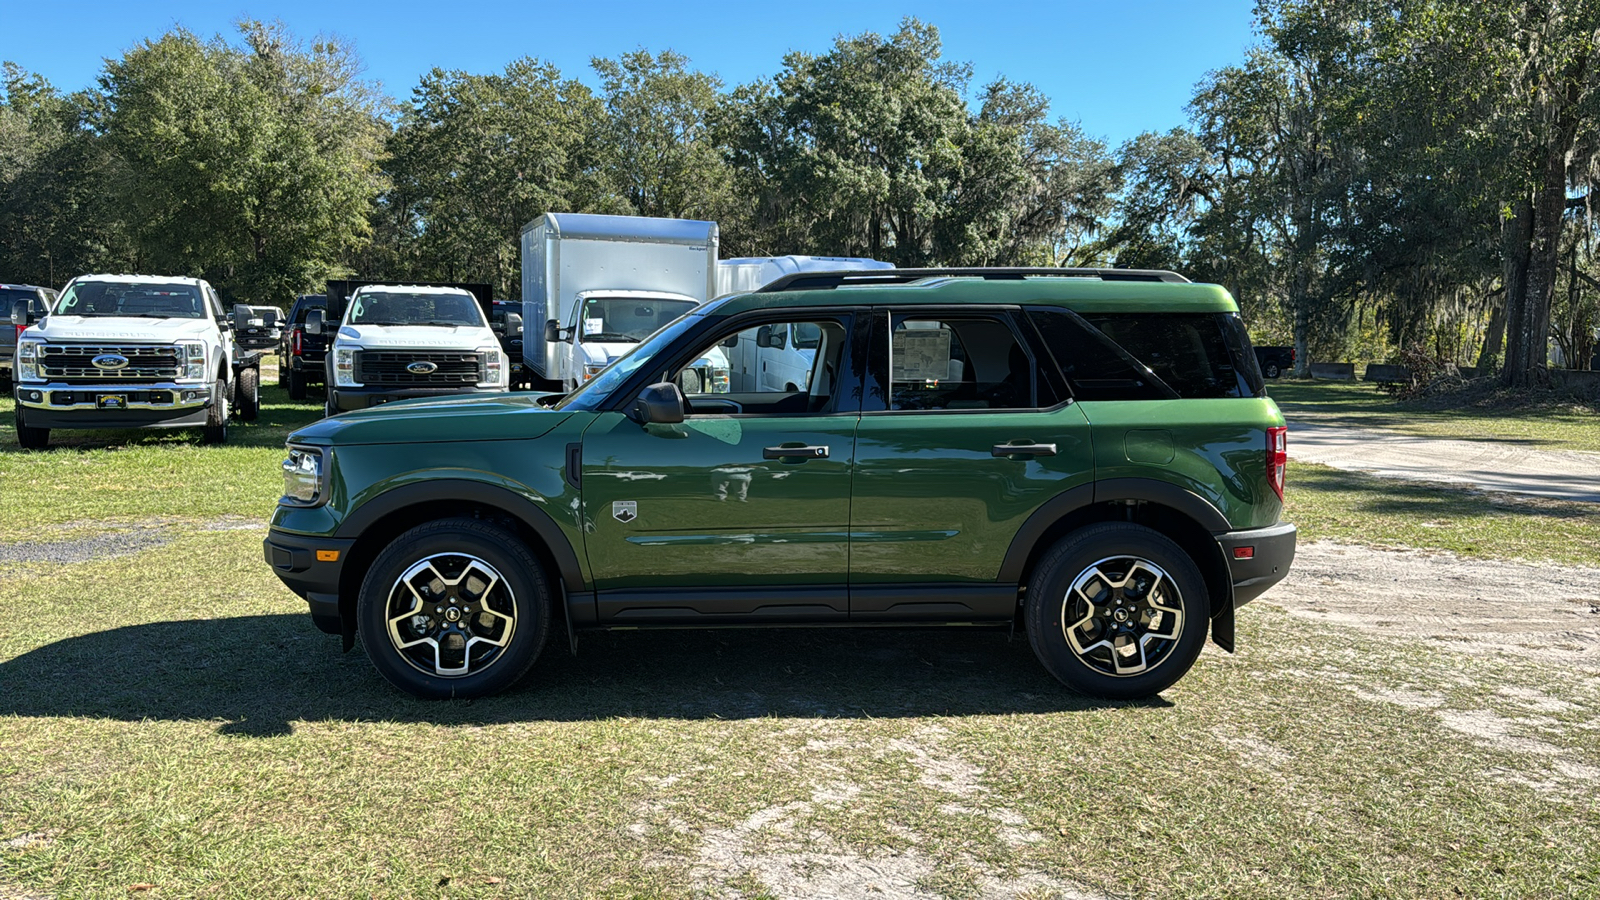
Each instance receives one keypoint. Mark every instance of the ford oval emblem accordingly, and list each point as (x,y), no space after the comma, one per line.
(110,361)
(422,368)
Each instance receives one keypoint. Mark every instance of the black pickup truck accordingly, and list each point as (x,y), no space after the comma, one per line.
(301,355)
(1275,361)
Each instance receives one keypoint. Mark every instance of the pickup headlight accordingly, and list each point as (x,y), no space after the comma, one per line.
(494,366)
(344,367)
(28,361)
(590,370)
(302,477)
(194,360)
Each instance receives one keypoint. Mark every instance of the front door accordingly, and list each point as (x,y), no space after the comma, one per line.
(742,510)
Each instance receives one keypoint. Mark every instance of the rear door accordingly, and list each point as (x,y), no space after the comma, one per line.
(962,439)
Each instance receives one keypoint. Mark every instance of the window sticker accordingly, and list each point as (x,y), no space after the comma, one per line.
(920,355)
(593,326)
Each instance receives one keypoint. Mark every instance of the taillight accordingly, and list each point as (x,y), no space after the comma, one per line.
(294,342)
(1277,456)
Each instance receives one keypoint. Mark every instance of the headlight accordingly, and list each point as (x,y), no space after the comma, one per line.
(590,370)
(28,361)
(302,477)
(344,367)
(194,360)
(719,380)
(494,365)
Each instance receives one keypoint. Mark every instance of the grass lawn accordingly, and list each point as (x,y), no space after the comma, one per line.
(1547,422)
(173,726)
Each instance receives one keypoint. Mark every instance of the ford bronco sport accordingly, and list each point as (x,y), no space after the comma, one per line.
(1086,453)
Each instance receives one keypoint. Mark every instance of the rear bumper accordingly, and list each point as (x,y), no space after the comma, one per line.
(302,563)
(1271,553)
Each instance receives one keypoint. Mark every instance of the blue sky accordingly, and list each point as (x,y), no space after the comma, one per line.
(1115,68)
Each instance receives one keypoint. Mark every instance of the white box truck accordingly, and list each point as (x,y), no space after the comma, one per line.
(777,357)
(594,286)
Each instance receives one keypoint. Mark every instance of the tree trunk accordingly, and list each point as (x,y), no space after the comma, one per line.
(1528,322)
(1516,237)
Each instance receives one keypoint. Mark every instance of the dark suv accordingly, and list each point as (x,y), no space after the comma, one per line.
(1087,453)
(301,355)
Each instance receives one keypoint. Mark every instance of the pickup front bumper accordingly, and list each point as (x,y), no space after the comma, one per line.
(143,405)
(348,398)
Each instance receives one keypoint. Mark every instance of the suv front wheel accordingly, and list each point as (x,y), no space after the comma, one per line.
(454,608)
(1117,610)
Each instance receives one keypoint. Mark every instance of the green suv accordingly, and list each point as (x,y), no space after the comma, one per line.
(1087,453)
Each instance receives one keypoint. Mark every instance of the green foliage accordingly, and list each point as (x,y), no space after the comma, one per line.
(252,164)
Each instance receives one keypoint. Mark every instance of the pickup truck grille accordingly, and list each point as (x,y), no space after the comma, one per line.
(392,367)
(76,361)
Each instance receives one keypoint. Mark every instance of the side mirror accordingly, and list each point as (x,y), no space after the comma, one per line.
(658,404)
(314,321)
(270,317)
(764,336)
(732,341)
(241,316)
(513,324)
(21,313)
(552,332)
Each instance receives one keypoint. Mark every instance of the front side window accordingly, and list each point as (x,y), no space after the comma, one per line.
(771,368)
(406,308)
(955,362)
(144,300)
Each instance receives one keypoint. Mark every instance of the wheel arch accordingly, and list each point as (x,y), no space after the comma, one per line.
(376,524)
(1184,517)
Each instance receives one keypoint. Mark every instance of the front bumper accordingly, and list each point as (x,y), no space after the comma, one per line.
(163,404)
(348,398)
(1271,552)
(310,566)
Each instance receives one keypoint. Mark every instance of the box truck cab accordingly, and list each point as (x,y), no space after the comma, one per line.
(778,357)
(594,286)
(402,341)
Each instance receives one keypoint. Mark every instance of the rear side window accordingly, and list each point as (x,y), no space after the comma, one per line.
(305,305)
(1189,355)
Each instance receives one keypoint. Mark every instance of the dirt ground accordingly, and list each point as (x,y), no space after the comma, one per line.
(1470,605)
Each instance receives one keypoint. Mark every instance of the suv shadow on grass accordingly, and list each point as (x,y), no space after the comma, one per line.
(260,674)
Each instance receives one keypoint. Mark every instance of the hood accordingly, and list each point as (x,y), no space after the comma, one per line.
(460,417)
(441,337)
(602,354)
(120,328)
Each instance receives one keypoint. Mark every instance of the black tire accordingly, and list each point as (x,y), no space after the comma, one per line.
(216,427)
(249,403)
(328,409)
(30,438)
(508,621)
(1271,370)
(296,383)
(1164,619)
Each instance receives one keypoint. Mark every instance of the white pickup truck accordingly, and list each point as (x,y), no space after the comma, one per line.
(402,341)
(133,351)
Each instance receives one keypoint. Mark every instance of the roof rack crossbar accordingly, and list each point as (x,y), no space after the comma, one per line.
(823,281)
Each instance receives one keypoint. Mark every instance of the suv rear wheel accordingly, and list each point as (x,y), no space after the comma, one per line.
(1117,610)
(454,608)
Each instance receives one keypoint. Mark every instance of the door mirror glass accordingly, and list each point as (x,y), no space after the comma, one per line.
(770,337)
(21,314)
(552,332)
(658,404)
(314,321)
(513,324)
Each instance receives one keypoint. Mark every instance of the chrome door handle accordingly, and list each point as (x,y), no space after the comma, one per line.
(795,452)
(1015,450)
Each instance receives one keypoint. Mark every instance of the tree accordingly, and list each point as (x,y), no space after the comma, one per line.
(476,157)
(254,165)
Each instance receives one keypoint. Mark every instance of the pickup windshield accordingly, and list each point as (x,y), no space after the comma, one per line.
(627,319)
(141,300)
(403,308)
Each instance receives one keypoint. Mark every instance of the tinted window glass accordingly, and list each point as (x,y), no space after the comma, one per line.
(957,363)
(1189,352)
(1094,367)
(305,305)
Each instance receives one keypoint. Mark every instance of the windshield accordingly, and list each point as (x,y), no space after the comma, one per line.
(405,308)
(143,300)
(627,319)
(594,391)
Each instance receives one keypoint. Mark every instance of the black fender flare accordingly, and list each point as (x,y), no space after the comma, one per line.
(461,490)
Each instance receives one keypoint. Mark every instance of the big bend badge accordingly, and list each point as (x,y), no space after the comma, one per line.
(625,510)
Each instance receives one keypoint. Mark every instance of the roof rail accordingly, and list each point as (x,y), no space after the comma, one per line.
(824,281)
